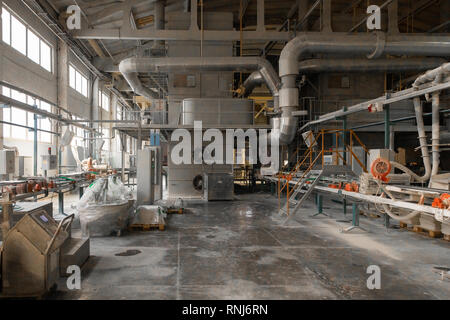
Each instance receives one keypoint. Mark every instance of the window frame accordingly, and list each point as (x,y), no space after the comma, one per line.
(29,116)
(101,96)
(83,79)
(28,29)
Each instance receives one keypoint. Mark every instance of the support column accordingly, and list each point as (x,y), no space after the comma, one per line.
(94,115)
(326,16)
(303,7)
(159,17)
(393,17)
(261,24)
(194,16)
(62,87)
(1,76)
(445,15)
(387,126)
(387,142)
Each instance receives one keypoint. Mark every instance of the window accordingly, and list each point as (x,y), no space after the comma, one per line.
(119,112)
(106,136)
(78,81)
(18,116)
(78,140)
(103,100)
(19,36)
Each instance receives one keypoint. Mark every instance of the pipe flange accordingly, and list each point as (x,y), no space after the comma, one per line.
(381,44)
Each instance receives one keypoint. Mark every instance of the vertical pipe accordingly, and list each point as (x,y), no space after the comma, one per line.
(35,144)
(345,128)
(387,142)
(355,211)
(436,135)
(387,126)
(319,204)
(260,26)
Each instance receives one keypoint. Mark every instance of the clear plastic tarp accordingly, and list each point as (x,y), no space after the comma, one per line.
(105,208)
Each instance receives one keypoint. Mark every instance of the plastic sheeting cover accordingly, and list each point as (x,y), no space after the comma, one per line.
(105,208)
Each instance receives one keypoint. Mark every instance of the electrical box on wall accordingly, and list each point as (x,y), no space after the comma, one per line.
(49,162)
(7,161)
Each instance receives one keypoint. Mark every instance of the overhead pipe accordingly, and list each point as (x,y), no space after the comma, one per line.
(366,65)
(131,67)
(373,45)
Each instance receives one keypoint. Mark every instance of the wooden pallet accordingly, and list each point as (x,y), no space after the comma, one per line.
(431,234)
(147,227)
(403,225)
(175,211)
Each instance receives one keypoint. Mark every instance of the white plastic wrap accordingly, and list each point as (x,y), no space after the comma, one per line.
(105,208)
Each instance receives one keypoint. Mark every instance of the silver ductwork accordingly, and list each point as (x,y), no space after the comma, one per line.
(256,79)
(244,64)
(366,65)
(131,67)
(373,45)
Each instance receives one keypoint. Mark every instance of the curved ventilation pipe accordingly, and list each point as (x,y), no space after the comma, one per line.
(131,67)
(373,45)
(256,79)
(423,146)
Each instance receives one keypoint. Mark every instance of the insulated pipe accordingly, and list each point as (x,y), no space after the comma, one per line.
(369,44)
(135,83)
(135,65)
(432,75)
(423,146)
(253,81)
(365,65)
(256,79)
(436,134)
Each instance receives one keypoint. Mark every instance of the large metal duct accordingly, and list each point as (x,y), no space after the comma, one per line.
(373,45)
(366,65)
(349,65)
(131,67)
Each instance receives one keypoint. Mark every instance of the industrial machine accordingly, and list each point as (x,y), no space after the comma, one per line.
(149,176)
(7,162)
(30,255)
(218,186)
(36,252)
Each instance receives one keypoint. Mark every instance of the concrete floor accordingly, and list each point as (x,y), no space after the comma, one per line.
(241,250)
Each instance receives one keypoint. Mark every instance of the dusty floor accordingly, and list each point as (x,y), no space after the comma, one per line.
(241,250)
